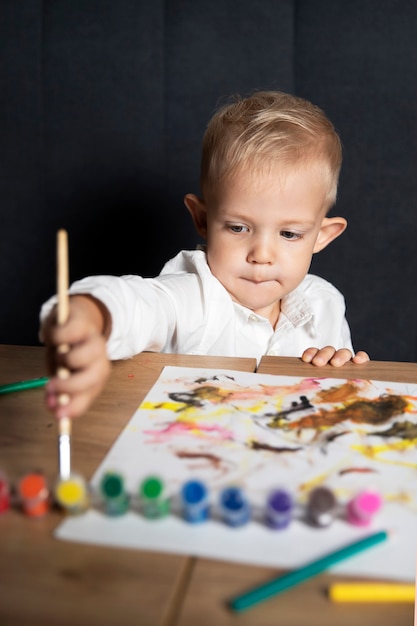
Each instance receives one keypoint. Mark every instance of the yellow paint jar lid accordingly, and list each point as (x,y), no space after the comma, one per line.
(71,493)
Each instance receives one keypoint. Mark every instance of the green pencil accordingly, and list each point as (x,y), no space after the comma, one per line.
(24,384)
(280,584)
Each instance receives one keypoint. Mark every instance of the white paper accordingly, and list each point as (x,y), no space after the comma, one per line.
(216,425)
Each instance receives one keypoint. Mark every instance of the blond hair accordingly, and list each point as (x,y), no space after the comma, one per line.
(265,130)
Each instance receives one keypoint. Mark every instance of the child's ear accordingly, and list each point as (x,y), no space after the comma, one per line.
(197,208)
(331,227)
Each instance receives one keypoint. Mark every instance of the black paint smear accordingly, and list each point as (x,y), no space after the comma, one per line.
(404,430)
(295,406)
(195,398)
(357,470)
(332,436)
(361,411)
(256,445)
(185,397)
(216,378)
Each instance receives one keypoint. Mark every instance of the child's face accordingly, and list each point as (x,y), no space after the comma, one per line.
(261,235)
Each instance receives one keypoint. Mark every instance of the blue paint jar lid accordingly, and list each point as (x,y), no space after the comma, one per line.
(195,501)
(234,506)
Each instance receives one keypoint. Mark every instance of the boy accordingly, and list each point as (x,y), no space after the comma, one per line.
(269,174)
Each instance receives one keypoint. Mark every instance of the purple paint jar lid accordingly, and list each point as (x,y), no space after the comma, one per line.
(279,508)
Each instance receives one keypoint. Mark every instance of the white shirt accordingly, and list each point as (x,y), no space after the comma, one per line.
(187,310)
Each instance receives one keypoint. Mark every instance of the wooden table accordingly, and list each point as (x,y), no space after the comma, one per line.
(47,582)
(212,582)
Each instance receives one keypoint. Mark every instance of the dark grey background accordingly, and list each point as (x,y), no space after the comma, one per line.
(102,109)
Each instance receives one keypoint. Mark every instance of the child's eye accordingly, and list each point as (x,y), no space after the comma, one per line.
(288,234)
(238,228)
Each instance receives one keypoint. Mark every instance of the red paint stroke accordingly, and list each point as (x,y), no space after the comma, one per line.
(213,460)
(215,394)
(357,470)
(184,428)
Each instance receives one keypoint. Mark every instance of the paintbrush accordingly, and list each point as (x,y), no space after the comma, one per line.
(64,424)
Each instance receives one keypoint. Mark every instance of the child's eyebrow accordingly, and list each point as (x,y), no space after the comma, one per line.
(250,219)
(290,224)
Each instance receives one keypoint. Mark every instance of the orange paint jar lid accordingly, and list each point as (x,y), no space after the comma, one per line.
(34,494)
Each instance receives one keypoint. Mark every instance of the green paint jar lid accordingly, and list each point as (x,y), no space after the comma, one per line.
(112,485)
(152,488)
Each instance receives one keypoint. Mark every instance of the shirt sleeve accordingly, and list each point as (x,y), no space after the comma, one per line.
(142,314)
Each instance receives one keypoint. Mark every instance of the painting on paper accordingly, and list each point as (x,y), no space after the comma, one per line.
(260,432)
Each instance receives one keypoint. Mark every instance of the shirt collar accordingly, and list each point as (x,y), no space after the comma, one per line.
(293,306)
(296,308)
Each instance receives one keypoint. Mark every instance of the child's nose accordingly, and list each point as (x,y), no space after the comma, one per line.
(263,250)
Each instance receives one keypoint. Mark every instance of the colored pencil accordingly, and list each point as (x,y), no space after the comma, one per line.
(372,592)
(64,438)
(295,577)
(23,384)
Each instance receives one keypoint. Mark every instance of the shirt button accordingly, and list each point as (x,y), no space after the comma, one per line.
(253,318)
(272,353)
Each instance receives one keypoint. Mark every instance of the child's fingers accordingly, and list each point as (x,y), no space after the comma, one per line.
(340,357)
(80,389)
(326,355)
(361,357)
(77,406)
(309,354)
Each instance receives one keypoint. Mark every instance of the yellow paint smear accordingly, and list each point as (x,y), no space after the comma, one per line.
(376,452)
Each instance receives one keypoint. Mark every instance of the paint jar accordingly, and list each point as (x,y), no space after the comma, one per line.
(235,509)
(361,509)
(116,500)
(195,501)
(34,494)
(72,494)
(279,509)
(4,492)
(154,501)
(321,507)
